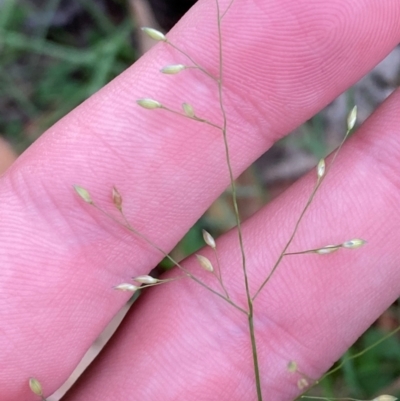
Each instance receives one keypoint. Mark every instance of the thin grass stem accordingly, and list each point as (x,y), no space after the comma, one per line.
(227,9)
(345,360)
(195,118)
(311,250)
(193,61)
(236,210)
(296,227)
(161,282)
(129,227)
(358,354)
(219,275)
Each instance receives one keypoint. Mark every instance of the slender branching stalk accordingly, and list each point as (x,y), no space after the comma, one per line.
(293,368)
(125,223)
(209,240)
(250,316)
(148,281)
(321,175)
(355,356)
(189,113)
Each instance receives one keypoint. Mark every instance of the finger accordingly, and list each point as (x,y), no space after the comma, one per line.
(62,258)
(181,342)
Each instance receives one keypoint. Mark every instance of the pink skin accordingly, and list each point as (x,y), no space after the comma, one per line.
(284,60)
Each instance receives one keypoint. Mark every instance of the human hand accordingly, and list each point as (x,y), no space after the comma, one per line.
(283,62)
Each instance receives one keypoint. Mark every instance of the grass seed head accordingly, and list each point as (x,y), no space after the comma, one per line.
(117,198)
(35,387)
(209,239)
(205,263)
(149,104)
(292,367)
(352,118)
(354,243)
(188,109)
(302,383)
(321,168)
(173,69)
(126,287)
(83,193)
(154,34)
(145,279)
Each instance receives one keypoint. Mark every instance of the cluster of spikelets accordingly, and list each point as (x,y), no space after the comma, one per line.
(145,281)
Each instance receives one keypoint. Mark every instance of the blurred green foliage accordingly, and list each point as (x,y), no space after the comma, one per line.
(54,55)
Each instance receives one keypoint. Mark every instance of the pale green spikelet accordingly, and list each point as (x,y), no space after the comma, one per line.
(205,263)
(154,34)
(173,69)
(83,193)
(148,103)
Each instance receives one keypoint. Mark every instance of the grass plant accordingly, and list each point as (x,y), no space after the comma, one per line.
(214,267)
